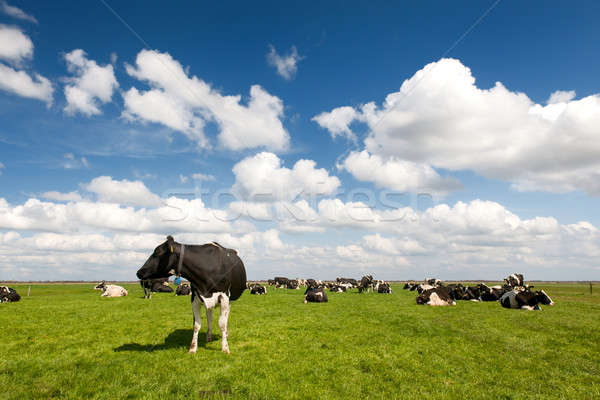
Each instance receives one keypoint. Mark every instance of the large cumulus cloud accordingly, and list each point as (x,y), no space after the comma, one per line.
(440,119)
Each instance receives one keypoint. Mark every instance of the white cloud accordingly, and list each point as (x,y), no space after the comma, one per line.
(1,166)
(440,118)
(287,66)
(21,84)
(262,178)
(15,12)
(91,86)
(186,104)
(73,196)
(126,192)
(476,240)
(337,122)
(397,174)
(204,177)
(72,162)
(15,46)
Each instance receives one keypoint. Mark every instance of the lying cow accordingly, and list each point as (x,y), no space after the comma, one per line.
(258,289)
(384,288)
(113,291)
(525,300)
(159,285)
(439,296)
(315,296)
(183,289)
(8,295)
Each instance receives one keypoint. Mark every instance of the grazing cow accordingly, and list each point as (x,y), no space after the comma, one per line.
(365,283)
(515,280)
(113,291)
(160,285)
(525,299)
(258,289)
(8,295)
(183,289)
(216,274)
(315,296)
(438,296)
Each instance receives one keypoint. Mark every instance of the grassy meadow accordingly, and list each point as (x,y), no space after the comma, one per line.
(65,341)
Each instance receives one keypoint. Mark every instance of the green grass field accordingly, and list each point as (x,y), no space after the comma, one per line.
(65,341)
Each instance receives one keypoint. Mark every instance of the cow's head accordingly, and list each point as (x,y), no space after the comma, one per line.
(543,298)
(162,262)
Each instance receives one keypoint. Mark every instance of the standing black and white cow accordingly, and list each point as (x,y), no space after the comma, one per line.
(317,295)
(365,283)
(525,299)
(8,295)
(159,285)
(216,274)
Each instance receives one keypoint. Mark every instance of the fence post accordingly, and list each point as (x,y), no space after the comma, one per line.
(590,287)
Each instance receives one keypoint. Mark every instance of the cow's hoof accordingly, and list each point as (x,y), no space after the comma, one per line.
(192,351)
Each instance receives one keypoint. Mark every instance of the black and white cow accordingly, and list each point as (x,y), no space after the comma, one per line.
(160,285)
(216,274)
(515,280)
(258,289)
(437,296)
(350,281)
(183,289)
(338,288)
(525,299)
(384,288)
(317,295)
(492,293)
(8,295)
(365,283)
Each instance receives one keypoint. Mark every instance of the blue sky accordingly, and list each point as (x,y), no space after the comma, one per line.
(456,140)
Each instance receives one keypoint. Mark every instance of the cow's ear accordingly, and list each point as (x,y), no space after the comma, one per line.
(170,242)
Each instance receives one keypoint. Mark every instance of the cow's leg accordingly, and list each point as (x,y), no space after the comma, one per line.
(209,319)
(223,317)
(196,308)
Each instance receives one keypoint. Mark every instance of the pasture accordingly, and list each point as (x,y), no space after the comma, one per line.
(65,341)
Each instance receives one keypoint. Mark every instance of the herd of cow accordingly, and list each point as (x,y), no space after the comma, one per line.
(513,294)
(315,290)
(216,276)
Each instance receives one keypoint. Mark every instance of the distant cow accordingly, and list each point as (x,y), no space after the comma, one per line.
(338,288)
(159,285)
(113,291)
(315,296)
(493,293)
(515,280)
(365,283)
(183,289)
(351,281)
(384,288)
(258,289)
(439,296)
(525,300)
(8,295)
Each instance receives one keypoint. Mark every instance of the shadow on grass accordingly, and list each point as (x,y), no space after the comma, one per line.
(179,338)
